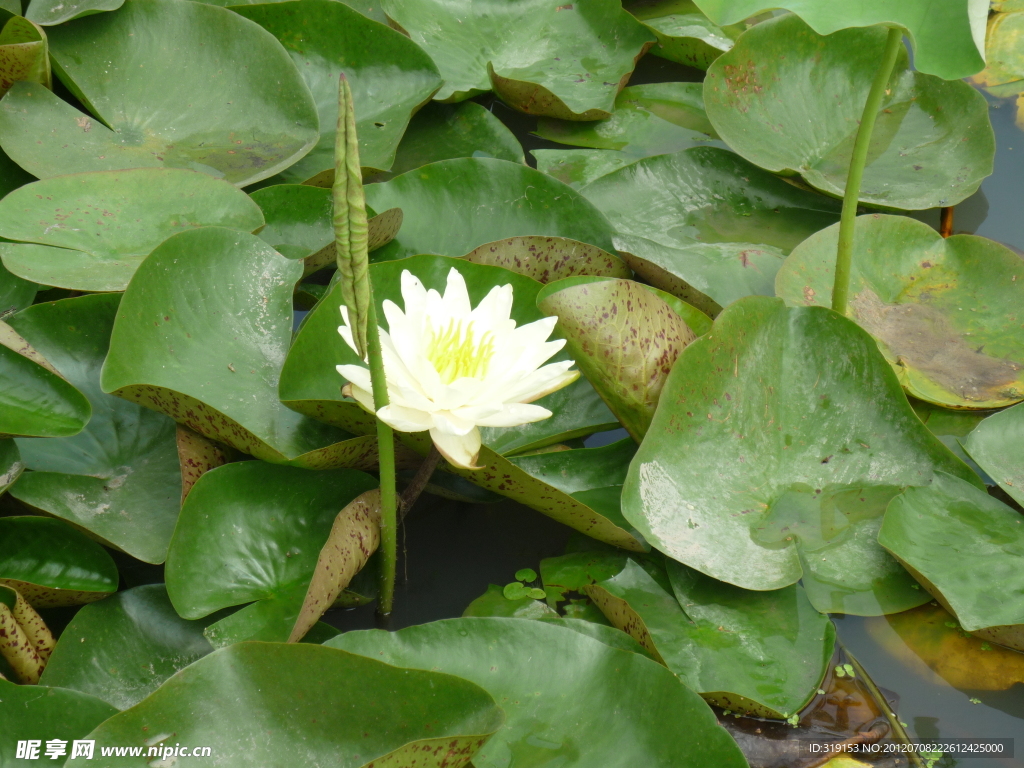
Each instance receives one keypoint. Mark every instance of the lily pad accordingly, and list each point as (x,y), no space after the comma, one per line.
(299,224)
(15,293)
(121,649)
(623,337)
(579,167)
(264,525)
(390,76)
(932,142)
(41,713)
(23,54)
(965,548)
(482,200)
(51,564)
(446,131)
(201,334)
(708,218)
(762,653)
(11,465)
(1003,74)
(119,478)
(11,177)
(34,400)
(52,12)
(948,39)
(234,107)
(946,313)
(493,603)
(650,119)
(780,437)
(541,690)
(480,46)
(685,35)
(314,701)
(547,259)
(90,231)
(996,445)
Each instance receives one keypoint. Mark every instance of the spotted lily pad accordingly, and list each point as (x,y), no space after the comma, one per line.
(651,119)
(264,525)
(623,336)
(965,547)
(52,12)
(480,45)
(35,401)
(932,142)
(234,107)
(482,200)
(946,313)
(390,76)
(685,35)
(996,445)
(541,690)
(445,131)
(201,334)
(23,54)
(314,700)
(119,477)
(948,38)
(780,437)
(547,259)
(763,653)
(90,231)
(51,564)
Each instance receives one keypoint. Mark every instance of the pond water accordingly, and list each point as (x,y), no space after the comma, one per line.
(451,551)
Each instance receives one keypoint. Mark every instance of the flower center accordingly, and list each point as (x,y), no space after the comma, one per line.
(456,352)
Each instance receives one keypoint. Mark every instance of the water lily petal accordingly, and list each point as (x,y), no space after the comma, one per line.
(460,450)
(356,374)
(456,296)
(452,424)
(542,382)
(511,415)
(346,331)
(414,296)
(405,419)
(362,396)
(493,314)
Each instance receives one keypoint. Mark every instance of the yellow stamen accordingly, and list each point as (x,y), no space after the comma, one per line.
(456,353)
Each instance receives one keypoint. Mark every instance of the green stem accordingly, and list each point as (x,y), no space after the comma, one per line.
(844,257)
(898,731)
(386,449)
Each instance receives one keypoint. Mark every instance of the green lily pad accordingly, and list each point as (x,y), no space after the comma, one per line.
(965,548)
(547,259)
(390,78)
(762,653)
(264,525)
(482,200)
(11,465)
(579,167)
(23,54)
(946,313)
(15,293)
(704,224)
(494,603)
(51,564)
(651,119)
(51,12)
(300,224)
(576,570)
(996,445)
(201,334)
(90,231)
(625,339)
(122,648)
(119,478)
(1003,74)
(12,176)
(948,38)
(950,427)
(541,673)
(314,701)
(932,143)
(234,107)
(685,35)
(780,437)
(34,400)
(480,46)
(40,713)
(446,131)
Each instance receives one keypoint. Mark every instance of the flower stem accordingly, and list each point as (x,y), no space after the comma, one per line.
(848,220)
(386,451)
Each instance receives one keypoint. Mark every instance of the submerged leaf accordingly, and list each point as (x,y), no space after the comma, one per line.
(997,445)
(685,35)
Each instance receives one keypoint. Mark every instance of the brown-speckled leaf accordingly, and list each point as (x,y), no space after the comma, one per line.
(354,536)
(196,455)
(25,641)
(23,54)
(547,259)
(623,337)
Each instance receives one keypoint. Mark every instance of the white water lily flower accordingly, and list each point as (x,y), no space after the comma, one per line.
(452,369)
